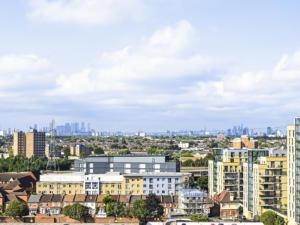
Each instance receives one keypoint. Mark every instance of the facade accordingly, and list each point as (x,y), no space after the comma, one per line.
(109,183)
(193,201)
(257,178)
(19,146)
(164,183)
(293,133)
(270,185)
(60,183)
(29,144)
(125,164)
(112,183)
(244,142)
(77,150)
(228,208)
(226,172)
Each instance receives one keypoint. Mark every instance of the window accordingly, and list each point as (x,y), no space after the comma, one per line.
(138,179)
(51,186)
(151,180)
(142,170)
(138,185)
(65,185)
(112,185)
(133,179)
(70,185)
(142,166)
(157,166)
(132,185)
(119,186)
(169,180)
(58,186)
(91,170)
(127,171)
(45,185)
(127,180)
(91,165)
(127,165)
(111,165)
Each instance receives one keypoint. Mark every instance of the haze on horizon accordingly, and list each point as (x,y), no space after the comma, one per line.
(150,65)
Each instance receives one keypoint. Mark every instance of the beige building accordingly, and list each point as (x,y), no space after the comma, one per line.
(19,146)
(78,149)
(29,144)
(291,153)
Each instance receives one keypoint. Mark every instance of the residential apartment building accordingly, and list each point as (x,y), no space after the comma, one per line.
(269,181)
(293,152)
(193,201)
(109,183)
(164,183)
(244,142)
(112,183)
(61,183)
(225,172)
(29,144)
(77,150)
(125,164)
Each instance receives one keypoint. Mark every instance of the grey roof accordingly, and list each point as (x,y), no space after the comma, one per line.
(157,174)
(34,199)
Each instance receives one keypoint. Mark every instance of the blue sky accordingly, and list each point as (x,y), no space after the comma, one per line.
(150,65)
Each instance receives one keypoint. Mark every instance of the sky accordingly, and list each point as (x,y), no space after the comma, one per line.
(150,65)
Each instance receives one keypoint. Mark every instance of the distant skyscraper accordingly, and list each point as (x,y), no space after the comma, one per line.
(269,130)
(82,127)
(88,127)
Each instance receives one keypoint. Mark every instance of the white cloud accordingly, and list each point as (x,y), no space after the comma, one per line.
(22,63)
(20,72)
(85,12)
(126,73)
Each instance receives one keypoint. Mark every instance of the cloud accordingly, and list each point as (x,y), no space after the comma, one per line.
(21,71)
(136,73)
(85,12)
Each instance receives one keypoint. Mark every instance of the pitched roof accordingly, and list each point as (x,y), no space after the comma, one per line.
(115,198)
(6,177)
(34,198)
(57,198)
(68,198)
(100,198)
(46,198)
(124,198)
(91,198)
(11,197)
(80,198)
(223,196)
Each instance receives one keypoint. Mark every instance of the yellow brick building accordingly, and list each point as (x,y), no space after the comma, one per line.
(270,185)
(132,185)
(61,183)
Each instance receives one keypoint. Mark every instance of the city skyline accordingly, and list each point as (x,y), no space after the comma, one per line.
(179,64)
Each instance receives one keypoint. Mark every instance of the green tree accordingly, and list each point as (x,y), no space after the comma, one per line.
(199,218)
(66,151)
(203,182)
(279,221)
(139,210)
(268,218)
(151,151)
(107,199)
(187,163)
(83,155)
(124,152)
(16,209)
(154,208)
(76,211)
(98,151)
